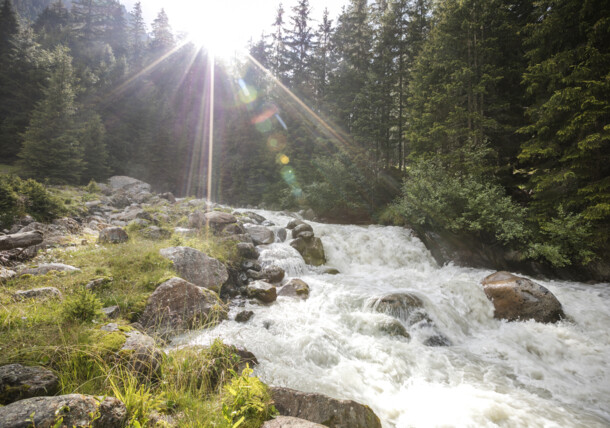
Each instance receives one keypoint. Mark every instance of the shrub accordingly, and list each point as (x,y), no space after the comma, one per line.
(11,206)
(247,402)
(39,202)
(82,307)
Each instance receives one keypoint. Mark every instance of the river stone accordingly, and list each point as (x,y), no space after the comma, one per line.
(324,410)
(294,223)
(233,229)
(295,288)
(247,250)
(43,269)
(18,382)
(197,267)
(155,233)
(179,305)
(133,185)
(290,422)
(394,328)
(196,219)
(311,250)
(112,235)
(262,291)
(76,410)
(261,235)
(244,316)
(518,299)
(143,356)
(270,274)
(218,219)
(303,227)
(255,217)
(400,305)
(38,293)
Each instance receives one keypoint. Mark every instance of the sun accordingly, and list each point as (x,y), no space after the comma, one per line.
(212,25)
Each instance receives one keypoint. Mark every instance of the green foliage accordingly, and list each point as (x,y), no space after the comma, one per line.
(437,196)
(140,400)
(83,306)
(39,202)
(247,401)
(11,207)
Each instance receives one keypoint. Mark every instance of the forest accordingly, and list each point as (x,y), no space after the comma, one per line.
(487,119)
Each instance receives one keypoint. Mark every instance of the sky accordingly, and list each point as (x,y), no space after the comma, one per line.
(230,22)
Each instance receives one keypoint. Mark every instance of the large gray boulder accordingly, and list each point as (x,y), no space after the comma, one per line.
(197,267)
(112,235)
(290,422)
(45,268)
(217,220)
(129,184)
(518,299)
(300,228)
(311,249)
(18,382)
(180,305)
(260,235)
(270,274)
(323,410)
(144,357)
(295,288)
(73,410)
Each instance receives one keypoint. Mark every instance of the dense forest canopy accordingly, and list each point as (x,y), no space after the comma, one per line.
(486,118)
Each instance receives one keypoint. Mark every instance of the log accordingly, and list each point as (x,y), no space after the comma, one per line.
(20,240)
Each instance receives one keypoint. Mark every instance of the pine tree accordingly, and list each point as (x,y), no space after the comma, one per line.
(138,38)
(279,53)
(300,44)
(53,25)
(91,137)
(322,59)
(51,149)
(9,27)
(162,37)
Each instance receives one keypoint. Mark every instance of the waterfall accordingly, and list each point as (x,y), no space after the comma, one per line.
(491,373)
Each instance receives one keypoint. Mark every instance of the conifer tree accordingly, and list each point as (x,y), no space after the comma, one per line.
(162,37)
(51,149)
(299,42)
(322,59)
(92,136)
(279,52)
(137,35)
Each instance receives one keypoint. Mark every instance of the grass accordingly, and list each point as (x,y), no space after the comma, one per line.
(60,335)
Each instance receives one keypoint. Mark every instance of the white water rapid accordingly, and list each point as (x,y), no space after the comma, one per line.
(493,373)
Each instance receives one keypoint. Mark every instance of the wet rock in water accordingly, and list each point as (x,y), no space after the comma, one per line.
(518,299)
(18,382)
(112,235)
(437,340)
(295,288)
(197,267)
(45,268)
(294,223)
(270,274)
(404,306)
(179,305)
(233,229)
(247,250)
(98,283)
(244,316)
(394,328)
(260,235)
(257,218)
(74,410)
(281,234)
(290,422)
(245,357)
(155,233)
(332,271)
(324,410)
(251,265)
(301,228)
(38,293)
(111,312)
(262,291)
(311,250)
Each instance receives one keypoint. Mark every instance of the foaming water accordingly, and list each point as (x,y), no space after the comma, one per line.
(492,374)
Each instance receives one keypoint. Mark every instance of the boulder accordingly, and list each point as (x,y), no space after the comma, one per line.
(73,410)
(270,274)
(20,240)
(294,223)
(312,250)
(197,267)
(18,382)
(196,219)
(168,196)
(518,299)
(404,306)
(155,233)
(38,293)
(295,288)
(132,185)
(244,316)
(45,268)
(233,229)
(217,220)
(247,250)
(323,410)
(260,235)
(262,291)
(256,218)
(112,235)
(112,312)
(179,305)
(6,274)
(290,422)
(300,228)
(143,355)
(394,328)
(98,283)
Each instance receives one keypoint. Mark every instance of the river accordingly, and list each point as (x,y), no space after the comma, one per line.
(492,373)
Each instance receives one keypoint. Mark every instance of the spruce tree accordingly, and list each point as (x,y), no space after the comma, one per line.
(51,149)
(138,38)
(300,44)
(92,138)
(162,37)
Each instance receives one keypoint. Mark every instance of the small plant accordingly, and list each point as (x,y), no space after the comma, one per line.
(139,399)
(92,187)
(82,307)
(247,401)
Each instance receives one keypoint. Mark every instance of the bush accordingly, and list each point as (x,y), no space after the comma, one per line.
(82,307)
(247,402)
(39,202)
(11,206)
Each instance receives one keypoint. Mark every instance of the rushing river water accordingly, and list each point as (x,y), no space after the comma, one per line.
(493,373)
